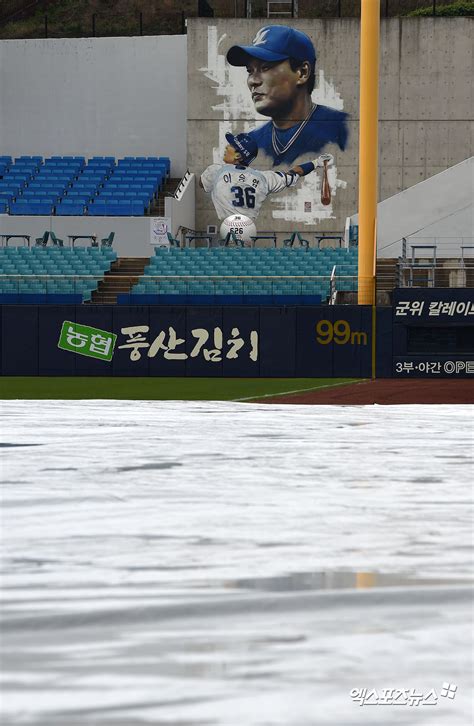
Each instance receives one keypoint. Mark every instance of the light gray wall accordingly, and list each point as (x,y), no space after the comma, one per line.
(426,101)
(94,96)
(440,207)
(132,234)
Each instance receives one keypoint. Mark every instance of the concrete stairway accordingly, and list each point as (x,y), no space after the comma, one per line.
(123,274)
(386,275)
(386,281)
(158,207)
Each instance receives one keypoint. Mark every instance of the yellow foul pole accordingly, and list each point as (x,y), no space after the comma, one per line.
(368,148)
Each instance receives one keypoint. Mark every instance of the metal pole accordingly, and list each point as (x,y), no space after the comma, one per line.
(339,9)
(368,148)
(141,23)
(45,26)
(93,25)
(434,7)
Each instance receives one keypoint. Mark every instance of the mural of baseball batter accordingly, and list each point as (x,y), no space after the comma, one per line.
(280,66)
(289,106)
(235,187)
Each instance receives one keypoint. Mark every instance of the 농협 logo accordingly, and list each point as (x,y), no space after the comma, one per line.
(91,342)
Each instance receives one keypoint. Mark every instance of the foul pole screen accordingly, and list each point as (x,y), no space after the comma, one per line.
(368,148)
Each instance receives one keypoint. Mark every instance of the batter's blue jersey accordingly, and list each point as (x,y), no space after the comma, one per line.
(326,126)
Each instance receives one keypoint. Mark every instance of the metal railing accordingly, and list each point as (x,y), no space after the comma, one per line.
(443,274)
(153,21)
(446,247)
(90,26)
(435,262)
(247,284)
(334,288)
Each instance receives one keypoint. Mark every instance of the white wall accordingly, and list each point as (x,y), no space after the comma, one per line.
(440,207)
(95,96)
(132,234)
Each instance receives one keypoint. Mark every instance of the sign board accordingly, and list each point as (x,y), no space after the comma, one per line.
(159,228)
(433,332)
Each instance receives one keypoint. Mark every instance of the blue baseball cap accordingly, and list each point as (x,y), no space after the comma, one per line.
(274,43)
(245,145)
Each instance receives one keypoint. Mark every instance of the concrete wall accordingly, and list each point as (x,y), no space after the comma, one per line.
(439,208)
(102,96)
(132,234)
(426,101)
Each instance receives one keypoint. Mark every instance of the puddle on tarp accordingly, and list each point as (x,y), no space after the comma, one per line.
(337,580)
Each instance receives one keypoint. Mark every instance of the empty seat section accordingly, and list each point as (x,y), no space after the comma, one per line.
(44,183)
(135,182)
(127,187)
(52,271)
(281,274)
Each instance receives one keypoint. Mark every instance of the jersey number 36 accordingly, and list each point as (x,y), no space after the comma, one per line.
(243,197)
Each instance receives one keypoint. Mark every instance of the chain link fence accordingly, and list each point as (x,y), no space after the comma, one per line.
(20,19)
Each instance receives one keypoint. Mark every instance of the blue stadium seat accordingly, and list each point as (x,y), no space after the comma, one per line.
(70,208)
(281,276)
(31,207)
(124,208)
(38,271)
(97,209)
(55,179)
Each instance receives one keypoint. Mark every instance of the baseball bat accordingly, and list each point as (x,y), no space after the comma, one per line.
(325,188)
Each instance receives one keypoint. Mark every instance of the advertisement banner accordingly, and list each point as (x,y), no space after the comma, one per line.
(433,367)
(433,305)
(208,340)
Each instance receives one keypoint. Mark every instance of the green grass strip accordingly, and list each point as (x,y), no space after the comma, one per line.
(158,389)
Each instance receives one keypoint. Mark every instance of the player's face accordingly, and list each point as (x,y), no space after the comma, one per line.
(272,85)
(231,156)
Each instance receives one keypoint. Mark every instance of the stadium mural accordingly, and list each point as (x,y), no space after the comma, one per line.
(278,113)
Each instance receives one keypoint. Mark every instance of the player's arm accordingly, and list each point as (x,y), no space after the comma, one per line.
(303,169)
(310,166)
(279,180)
(208,177)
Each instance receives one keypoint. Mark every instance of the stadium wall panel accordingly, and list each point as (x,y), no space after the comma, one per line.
(384,342)
(20,340)
(321,341)
(200,341)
